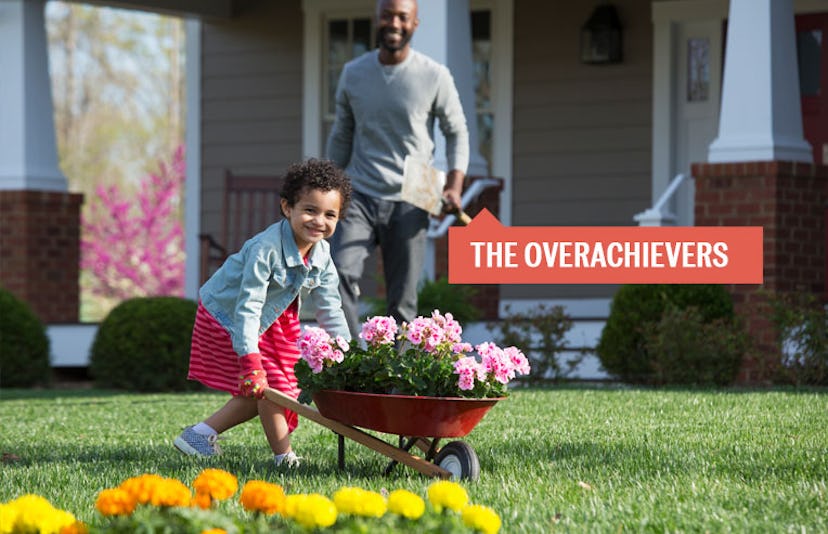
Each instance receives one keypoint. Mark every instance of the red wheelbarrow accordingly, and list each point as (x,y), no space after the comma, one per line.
(419,422)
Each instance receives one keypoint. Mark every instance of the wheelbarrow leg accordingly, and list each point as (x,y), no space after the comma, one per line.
(404,444)
(341,453)
(432,450)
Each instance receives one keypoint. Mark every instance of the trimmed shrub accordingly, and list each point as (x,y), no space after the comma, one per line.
(686,350)
(801,322)
(24,345)
(448,298)
(144,345)
(622,348)
(541,334)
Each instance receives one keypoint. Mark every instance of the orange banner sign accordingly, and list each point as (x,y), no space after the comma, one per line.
(486,252)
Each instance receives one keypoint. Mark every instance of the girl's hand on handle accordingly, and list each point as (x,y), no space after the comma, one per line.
(252,378)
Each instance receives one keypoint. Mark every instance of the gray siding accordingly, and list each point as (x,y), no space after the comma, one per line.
(251,97)
(582,133)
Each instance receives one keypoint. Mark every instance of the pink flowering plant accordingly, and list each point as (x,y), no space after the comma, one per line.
(424,357)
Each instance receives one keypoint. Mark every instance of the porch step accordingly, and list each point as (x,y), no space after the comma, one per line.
(582,338)
(71,344)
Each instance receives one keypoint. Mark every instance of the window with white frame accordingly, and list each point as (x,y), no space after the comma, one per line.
(346,30)
(481,34)
(346,37)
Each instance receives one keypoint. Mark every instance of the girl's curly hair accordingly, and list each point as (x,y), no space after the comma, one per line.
(323,175)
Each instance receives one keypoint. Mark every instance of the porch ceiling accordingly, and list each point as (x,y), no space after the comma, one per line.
(180,8)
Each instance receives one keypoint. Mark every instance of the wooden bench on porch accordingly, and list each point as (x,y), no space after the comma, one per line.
(250,204)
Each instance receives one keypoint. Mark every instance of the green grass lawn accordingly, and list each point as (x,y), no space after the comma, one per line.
(573,459)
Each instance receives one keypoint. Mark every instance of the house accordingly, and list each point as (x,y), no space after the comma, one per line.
(727,94)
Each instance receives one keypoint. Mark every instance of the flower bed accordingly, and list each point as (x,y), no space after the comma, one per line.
(426,357)
(151,503)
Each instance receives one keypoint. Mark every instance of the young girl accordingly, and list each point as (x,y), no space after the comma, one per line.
(247,323)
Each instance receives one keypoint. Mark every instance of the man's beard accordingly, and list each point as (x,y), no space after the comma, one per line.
(405,37)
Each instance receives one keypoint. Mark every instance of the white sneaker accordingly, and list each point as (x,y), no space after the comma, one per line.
(289,459)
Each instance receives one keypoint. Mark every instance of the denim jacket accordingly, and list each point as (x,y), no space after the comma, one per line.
(256,284)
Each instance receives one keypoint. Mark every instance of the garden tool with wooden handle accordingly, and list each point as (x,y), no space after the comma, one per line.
(423,187)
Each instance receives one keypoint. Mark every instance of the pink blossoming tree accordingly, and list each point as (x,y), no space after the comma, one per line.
(133,244)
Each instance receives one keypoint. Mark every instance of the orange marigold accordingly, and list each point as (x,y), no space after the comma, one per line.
(157,490)
(203,501)
(142,487)
(216,483)
(78,527)
(171,492)
(115,501)
(260,496)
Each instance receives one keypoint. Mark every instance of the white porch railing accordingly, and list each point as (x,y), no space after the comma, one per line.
(659,215)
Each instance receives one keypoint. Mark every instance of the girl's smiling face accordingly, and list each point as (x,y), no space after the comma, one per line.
(313,217)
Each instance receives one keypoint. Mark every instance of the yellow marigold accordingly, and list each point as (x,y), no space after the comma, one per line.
(8,517)
(481,518)
(311,511)
(56,521)
(357,501)
(115,501)
(216,483)
(409,505)
(447,494)
(33,513)
(291,501)
(260,496)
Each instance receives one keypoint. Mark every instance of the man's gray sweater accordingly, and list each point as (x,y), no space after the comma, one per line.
(385,112)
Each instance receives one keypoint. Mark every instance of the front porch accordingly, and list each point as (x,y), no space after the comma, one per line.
(575,143)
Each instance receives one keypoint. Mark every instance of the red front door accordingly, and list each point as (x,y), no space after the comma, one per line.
(812,50)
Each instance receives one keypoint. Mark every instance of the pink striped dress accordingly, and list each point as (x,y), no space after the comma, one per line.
(214,363)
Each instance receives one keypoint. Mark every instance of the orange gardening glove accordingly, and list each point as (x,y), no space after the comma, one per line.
(252,378)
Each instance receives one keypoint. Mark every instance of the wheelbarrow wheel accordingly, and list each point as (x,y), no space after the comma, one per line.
(458,458)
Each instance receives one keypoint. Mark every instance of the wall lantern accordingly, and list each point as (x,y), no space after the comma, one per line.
(601,36)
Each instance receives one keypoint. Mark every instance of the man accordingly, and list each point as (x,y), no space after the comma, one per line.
(387,101)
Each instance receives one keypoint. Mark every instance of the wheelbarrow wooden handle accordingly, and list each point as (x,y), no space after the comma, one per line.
(458,212)
(463,217)
(376,444)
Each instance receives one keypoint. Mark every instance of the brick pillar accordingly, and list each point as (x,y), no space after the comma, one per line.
(487,299)
(789,200)
(40,251)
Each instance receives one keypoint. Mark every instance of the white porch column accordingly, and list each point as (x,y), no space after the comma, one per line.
(28,153)
(760,118)
(444,34)
(192,140)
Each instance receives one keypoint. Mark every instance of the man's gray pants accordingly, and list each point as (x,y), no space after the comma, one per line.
(399,229)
